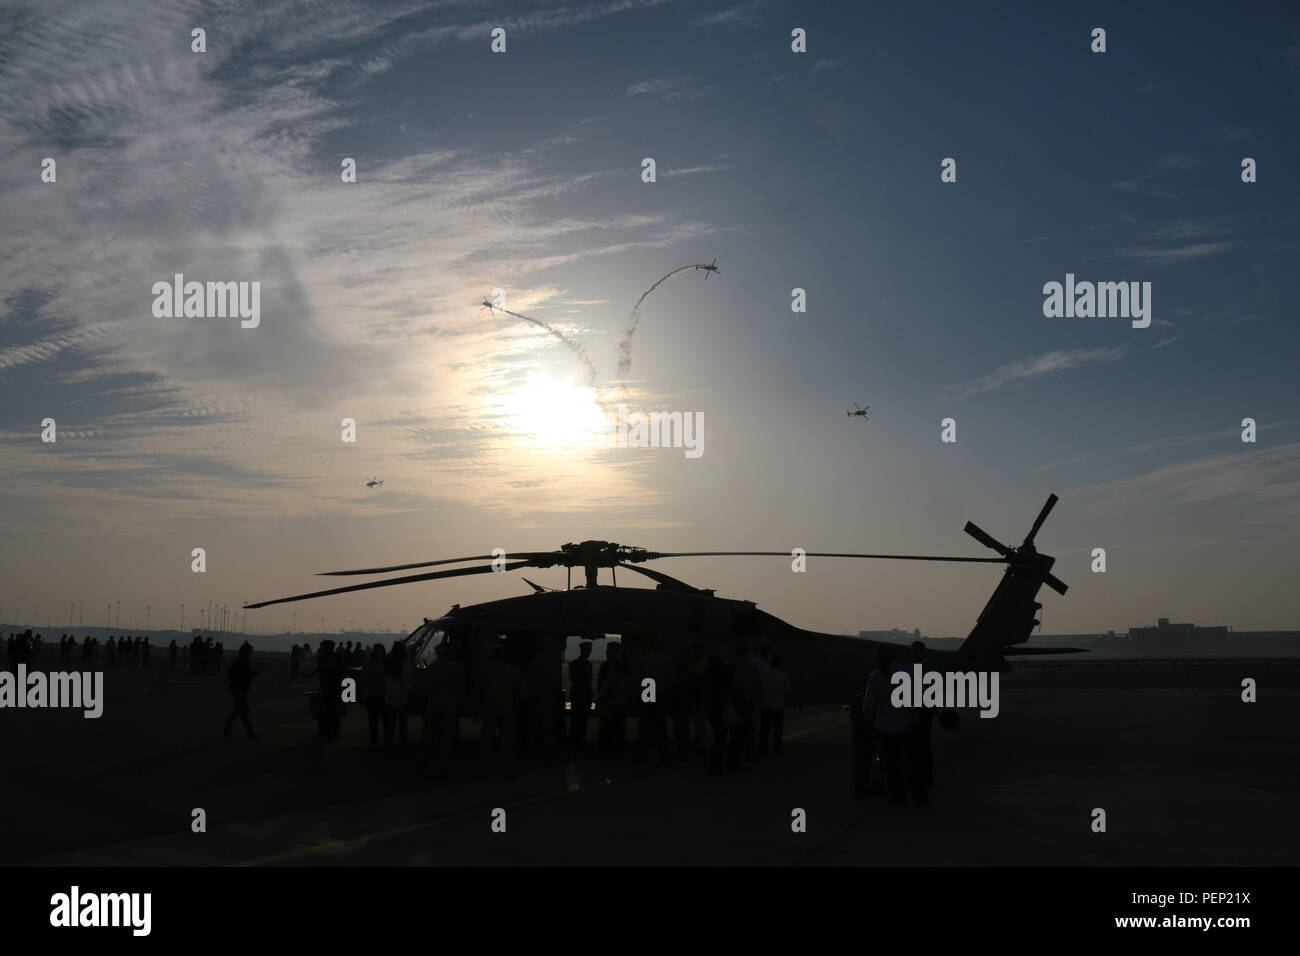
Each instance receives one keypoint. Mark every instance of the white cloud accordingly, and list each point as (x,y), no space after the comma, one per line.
(1026,370)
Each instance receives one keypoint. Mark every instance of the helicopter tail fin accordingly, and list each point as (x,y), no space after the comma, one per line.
(1008,618)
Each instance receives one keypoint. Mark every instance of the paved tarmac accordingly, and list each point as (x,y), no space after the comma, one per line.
(1186,772)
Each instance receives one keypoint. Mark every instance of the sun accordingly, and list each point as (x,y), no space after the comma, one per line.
(554,414)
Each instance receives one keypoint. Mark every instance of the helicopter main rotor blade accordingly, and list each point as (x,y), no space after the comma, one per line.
(986,539)
(523,555)
(409,579)
(1042,516)
(654,556)
(666,580)
(1055,583)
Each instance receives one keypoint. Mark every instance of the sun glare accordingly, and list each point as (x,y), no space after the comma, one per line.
(555,414)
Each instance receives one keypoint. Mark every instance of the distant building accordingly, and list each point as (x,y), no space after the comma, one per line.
(893,635)
(1166,638)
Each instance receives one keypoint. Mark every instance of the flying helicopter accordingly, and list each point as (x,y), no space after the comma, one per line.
(488,304)
(858,410)
(374,482)
(711,267)
(829,667)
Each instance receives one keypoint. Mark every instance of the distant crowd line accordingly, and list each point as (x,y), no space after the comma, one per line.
(202,655)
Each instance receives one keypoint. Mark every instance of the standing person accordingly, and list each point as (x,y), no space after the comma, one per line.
(747,699)
(776,685)
(892,725)
(242,673)
(172,651)
(580,696)
(442,716)
(863,745)
(398,676)
(652,666)
(293,661)
(501,691)
(545,697)
(682,705)
(715,696)
(329,700)
(700,719)
(922,753)
(611,704)
(372,691)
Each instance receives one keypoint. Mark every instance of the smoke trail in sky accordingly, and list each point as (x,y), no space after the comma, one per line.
(573,346)
(625,347)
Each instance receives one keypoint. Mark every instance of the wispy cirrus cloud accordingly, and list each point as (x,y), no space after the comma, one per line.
(656,86)
(694,170)
(1027,370)
(1173,256)
(224,166)
(1260,484)
(744,15)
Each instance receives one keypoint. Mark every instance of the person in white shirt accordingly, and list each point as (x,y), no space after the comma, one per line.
(891,723)
(776,685)
(398,676)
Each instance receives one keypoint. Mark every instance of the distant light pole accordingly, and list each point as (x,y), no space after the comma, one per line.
(119,615)
(148,608)
(182,618)
(71,605)
(108,615)
(81,615)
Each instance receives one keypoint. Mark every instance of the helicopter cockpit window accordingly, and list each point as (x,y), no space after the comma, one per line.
(423,646)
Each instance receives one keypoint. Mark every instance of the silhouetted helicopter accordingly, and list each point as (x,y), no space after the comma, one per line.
(859,411)
(374,483)
(487,304)
(828,668)
(711,267)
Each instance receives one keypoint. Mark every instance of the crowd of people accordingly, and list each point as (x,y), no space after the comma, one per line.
(125,651)
(202,655)
(731,712)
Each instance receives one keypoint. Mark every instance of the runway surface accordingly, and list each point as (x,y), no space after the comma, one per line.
(1187,773)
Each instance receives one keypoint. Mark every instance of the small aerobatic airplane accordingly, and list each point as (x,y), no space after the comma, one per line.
(711,267)
(374,482)
(861,412)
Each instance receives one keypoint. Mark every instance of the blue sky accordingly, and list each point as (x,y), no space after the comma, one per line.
(521,171)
